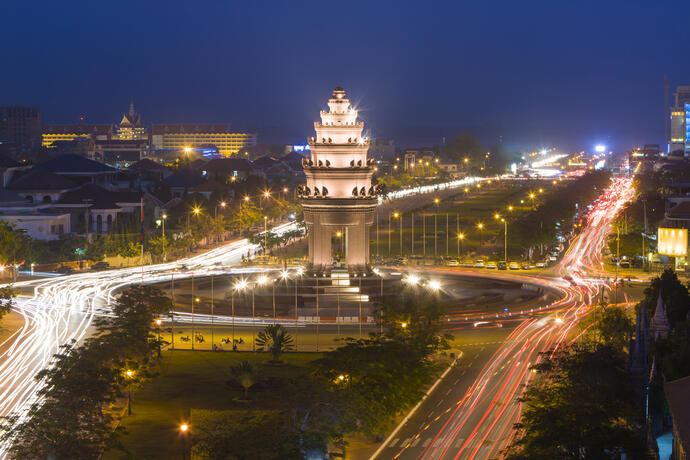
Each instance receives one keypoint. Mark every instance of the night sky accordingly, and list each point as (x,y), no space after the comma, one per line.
(550,73)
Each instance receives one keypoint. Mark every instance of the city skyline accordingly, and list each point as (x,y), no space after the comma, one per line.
(425,72)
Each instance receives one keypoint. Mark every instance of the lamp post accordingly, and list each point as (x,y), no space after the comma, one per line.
(129,374)
(266,195)
(531,197)
(436,201)
(163,218)
(265,235)
(505,236)
(184,428)
(159,322)
(389,235)
(480,226)
(398,215)
(460,238)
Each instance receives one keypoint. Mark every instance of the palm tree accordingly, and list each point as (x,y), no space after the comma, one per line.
(274,338)
(246,375)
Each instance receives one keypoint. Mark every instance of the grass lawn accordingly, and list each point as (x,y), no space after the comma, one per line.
(465,211)
(196,380)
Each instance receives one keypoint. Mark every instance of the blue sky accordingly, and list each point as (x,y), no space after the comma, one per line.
(536,73)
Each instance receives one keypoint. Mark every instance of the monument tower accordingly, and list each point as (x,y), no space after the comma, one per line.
(339,195)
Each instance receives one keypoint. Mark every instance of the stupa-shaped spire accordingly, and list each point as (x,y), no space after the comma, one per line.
(660,326)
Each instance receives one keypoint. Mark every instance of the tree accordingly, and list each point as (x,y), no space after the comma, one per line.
(374,380)
(465,145)
(245,373)
(7,295)
(581,405)
(259,434)
(130,249)
(13,244)
(274,338)
(674,294)
(614,327)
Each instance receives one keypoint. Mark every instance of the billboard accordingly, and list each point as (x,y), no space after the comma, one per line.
(673,241)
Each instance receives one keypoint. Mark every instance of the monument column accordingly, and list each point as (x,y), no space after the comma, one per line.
(338,192)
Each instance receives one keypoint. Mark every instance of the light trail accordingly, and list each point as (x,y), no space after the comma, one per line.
(62,308)
(480,424)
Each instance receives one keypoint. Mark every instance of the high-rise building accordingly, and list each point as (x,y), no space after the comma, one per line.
(186,135)
(339,197)
(21,128)
(680,122)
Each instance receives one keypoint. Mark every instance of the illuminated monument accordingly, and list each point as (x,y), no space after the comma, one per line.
(338,196)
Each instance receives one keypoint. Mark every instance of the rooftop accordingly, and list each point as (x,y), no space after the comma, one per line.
(678,398)
(40,178)
(76,164)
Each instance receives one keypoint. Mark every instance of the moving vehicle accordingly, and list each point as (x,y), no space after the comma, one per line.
(526,267)
(541,264)
(502,266)
(452,262)
(65,270)
(514,266)
(491,265)
(479,264)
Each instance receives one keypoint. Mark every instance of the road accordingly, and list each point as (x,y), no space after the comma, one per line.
(473,418)
(61,309)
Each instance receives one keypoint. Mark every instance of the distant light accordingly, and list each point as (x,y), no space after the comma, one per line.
(435,285)
(600,148)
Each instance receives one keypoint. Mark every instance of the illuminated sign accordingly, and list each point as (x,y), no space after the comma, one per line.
(673,241)
(301,148)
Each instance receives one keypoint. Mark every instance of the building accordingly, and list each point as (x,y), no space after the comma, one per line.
(186,136)
(416,162)
(678,399)
(382,149)
(131,126)
(20,127)
(53,134)
(338,196)
(680,122)
(38,225)
(121,153)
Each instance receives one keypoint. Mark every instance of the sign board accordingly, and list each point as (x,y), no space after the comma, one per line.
(673,241)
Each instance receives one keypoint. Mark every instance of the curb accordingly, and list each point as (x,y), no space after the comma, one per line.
(414,409)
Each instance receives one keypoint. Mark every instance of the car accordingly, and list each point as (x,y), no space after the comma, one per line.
(502,266)
(479,264)
(514,266)
(625,264)
(65,270)
(552,259)
(491,265)
(541,264)
(526,267)
(466,265)
(100,266)
(452,262)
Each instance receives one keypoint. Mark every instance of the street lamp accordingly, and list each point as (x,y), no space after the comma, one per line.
(436,202)
(163,218)
(184,429)
(129,374)
(505,236)
(159,322)
(460,238)
(398,215)
(531,197)
(480,226)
